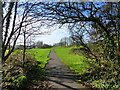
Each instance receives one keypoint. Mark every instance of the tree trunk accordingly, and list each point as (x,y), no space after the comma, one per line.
(24,49)
(1,29)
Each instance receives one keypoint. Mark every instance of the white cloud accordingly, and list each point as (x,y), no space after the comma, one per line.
(54,37)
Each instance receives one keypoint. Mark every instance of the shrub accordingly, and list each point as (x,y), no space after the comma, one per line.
(19,74)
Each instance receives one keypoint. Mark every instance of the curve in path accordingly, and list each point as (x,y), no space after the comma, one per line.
(59,76)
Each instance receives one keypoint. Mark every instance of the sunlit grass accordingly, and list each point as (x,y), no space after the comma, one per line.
(41,55)
(6,51)
(75,62)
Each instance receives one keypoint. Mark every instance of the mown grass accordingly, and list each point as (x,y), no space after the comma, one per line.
(41,55)
(75,62)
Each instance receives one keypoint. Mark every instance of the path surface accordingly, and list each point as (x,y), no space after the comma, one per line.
(59,75)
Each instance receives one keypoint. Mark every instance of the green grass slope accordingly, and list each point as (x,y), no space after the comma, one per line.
(75,62)
(41,55)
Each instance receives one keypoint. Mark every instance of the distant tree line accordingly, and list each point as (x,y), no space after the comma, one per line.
(38,44)
(65,41)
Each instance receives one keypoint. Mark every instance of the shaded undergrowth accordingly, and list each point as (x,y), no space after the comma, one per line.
(89,73)
(23,75)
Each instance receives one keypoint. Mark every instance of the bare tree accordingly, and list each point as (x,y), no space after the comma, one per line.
(39,44)
(66,40)
(7,21)
(99,21)
(101,18)
(16,16)
(29,31)
(1,29)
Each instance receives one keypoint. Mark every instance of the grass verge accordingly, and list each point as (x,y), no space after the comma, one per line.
(75,62)
(41,55)
(27,74)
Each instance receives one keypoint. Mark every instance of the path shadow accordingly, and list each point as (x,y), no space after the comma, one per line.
(69,87)
(60,76)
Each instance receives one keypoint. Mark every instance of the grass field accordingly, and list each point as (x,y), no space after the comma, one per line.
(41,55)
(75,62)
